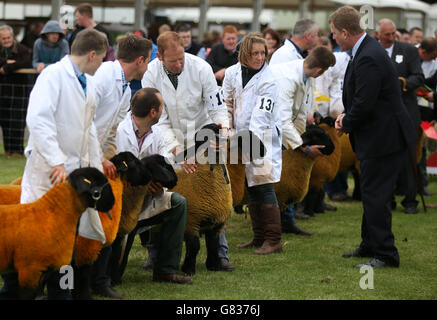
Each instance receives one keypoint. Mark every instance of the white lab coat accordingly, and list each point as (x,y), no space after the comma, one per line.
(292,102)
(254,107)
(330,84)
(154,143)
(61,127)
(62,131)
(112,104)
(194,104)
(286,53)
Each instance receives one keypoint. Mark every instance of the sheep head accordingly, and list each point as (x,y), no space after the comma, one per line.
(160,170)
(317,136)
(93,186)
(329,121)
(131,169)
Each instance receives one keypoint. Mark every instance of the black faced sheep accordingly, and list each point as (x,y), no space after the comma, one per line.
(132,173)
(209,196)
(325,169)
(38,237)
(295,175)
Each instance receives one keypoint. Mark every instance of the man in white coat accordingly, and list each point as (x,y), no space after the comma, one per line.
(138,134)
(113,96)
(192,99)
(294,81)
(60,122)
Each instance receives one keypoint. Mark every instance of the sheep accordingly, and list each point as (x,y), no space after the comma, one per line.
(325,169)
(133,198)
(296,170)
(209,196)
(38,237)
(132,174)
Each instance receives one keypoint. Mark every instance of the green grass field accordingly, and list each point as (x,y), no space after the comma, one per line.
(310,268)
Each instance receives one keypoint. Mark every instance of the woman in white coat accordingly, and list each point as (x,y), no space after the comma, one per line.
(249,90)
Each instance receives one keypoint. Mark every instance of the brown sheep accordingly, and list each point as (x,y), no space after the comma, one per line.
(38,237)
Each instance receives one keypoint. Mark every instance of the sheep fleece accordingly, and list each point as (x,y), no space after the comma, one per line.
(39,235)
(209,197)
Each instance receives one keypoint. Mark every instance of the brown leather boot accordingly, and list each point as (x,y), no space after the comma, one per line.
(256,217)
(272,230)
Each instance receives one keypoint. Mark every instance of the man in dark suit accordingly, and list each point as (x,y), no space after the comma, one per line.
(406,60)
(379,128)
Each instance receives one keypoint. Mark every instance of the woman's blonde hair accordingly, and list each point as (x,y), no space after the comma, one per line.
(246,46)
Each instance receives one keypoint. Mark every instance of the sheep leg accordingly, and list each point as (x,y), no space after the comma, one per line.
(192,246)
(311,200)
(212,246)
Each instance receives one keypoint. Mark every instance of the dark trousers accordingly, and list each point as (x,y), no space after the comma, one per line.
(378,178)
(169,240)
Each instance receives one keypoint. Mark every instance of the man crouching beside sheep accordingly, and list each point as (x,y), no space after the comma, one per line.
(62,133)
(137,134)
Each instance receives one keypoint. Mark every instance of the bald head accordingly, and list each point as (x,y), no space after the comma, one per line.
(386,32)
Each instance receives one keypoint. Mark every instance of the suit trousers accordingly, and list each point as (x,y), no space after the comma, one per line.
(378,178)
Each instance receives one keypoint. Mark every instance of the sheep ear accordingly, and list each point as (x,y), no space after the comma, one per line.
(122,160)
(81,184)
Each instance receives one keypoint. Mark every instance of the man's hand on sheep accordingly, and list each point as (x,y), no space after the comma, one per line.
(189,166)
(339,124)
(109,169)
(58,174)
(156,189)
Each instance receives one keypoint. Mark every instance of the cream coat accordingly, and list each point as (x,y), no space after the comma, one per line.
(61,127)
(254,107)
(285,54)
(194,104)
(154,143)
(330,84)
(112,104)
(293,96)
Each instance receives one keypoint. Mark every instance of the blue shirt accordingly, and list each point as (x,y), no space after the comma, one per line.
(357,44)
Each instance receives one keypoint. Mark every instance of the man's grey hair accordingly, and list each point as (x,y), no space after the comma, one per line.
(385,20)
(7,27)
(303,26)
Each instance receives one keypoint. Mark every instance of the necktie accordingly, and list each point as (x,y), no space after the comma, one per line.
(124,87)
(82,81)
(174,79)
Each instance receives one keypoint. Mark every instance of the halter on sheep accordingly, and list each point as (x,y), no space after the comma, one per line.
(39,237)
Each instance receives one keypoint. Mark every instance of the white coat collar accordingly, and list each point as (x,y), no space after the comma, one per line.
(130,133)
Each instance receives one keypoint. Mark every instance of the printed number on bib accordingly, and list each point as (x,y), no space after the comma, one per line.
(216,99)
(265,104)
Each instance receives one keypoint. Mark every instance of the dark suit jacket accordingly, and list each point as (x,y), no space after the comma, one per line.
(407,62)
(376,117)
